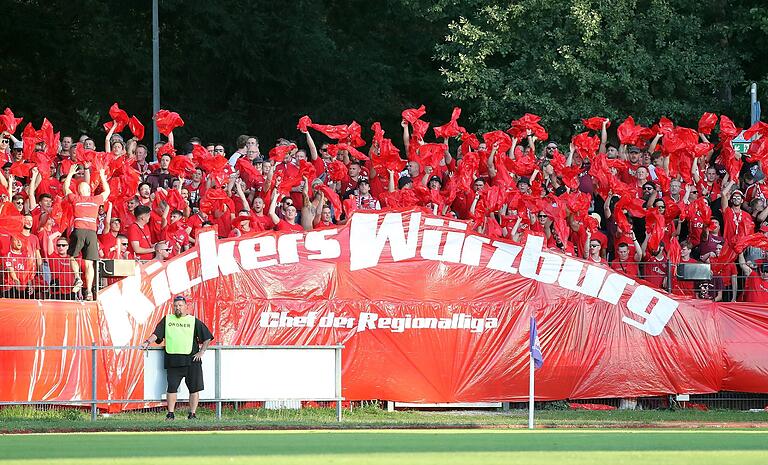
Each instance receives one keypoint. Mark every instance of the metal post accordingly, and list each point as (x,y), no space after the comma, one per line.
(94,410)
(669,276)
(754,106)
(155,69)
(531,387)
(338,383)
(217,374)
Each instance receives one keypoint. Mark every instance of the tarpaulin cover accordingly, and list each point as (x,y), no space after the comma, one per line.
(427,312)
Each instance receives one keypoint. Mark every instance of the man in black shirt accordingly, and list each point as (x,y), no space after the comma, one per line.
(183,356)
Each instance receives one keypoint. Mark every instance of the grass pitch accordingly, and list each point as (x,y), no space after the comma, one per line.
(384,447)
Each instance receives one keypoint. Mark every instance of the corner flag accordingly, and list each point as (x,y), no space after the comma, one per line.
(538,358)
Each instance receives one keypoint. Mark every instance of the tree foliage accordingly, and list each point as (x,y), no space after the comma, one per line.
(255,66)
(566,59)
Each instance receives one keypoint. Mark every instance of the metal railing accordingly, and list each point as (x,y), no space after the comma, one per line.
(94,401)
(54,279)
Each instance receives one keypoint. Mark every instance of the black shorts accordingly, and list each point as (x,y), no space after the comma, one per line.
(86,241)
(192,374)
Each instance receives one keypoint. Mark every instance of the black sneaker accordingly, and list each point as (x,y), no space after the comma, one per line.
(170,416)
(191,416)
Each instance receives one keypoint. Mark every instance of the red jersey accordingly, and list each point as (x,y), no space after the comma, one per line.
(756,289)
(22,264)
(107,244)
(627,268)
(62,273)
(144,237)
(261,223)
(737,224)
(177,238)
(86,210)
(288,227)
(682,287)
(655,270)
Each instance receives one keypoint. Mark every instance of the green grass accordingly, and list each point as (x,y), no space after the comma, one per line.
(28,419)
(418,447)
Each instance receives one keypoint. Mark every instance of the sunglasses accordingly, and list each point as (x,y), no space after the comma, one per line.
(694,192)
(18,202)
(594,245)
(124,244)
(3,141)
(542,216)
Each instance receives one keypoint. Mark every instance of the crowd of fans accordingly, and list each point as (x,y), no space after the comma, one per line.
(659,197)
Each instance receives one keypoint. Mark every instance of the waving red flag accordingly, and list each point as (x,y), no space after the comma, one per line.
(136,127)
(412,114)
(332,197)
(9,123)
(451,128)
(707,123)
(304,123)
(281,152)
(595,123)
(167,121)
(728,130)
(181,166)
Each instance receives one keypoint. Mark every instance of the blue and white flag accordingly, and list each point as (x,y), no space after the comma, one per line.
(538,358)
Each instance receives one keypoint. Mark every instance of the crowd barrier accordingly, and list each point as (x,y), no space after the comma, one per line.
(276,374)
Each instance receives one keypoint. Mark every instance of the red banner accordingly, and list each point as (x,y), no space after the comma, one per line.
(427,310)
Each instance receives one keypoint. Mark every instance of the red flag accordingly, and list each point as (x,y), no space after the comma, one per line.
(8,122)
(332,197)
(119,117)
(281,152)
(136,127)
(337,170)
(412,114)
(167,121)
(181,166)
(595,123)
(586,145)
(499,138)
(758,240)
(707,123)
(451,128)
(728,130)
(340,131)
(166,148)
(304,123)
(248,172)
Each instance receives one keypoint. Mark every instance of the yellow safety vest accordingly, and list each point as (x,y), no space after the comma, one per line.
(179,334)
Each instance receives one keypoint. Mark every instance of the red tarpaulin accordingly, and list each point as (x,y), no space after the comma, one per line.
(427,311)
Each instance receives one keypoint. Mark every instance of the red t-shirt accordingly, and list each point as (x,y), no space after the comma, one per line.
(86,210)
(682,287)
(655,270)
(756,289)
(177,238)
(261,223)
(107,244)
(627,268)
(61,272)
(22,264)
(144,237)
(286,226)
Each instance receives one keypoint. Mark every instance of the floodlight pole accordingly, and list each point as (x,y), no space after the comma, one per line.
(155,70)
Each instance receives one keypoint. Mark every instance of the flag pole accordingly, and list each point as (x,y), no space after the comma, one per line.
(531,370)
